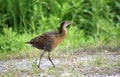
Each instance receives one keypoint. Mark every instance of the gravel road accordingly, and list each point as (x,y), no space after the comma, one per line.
(76,62)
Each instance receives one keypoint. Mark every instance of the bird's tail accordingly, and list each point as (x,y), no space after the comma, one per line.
(28,43)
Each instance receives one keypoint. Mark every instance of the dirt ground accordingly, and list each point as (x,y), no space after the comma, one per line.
(80,63)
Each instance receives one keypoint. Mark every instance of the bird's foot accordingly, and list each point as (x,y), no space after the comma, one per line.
(38,66)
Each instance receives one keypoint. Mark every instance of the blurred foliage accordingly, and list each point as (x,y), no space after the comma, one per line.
(10,41)
(93,20)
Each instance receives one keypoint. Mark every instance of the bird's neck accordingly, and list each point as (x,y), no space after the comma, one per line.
(63,30)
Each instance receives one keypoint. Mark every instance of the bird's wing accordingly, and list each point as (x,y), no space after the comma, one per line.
(43,39)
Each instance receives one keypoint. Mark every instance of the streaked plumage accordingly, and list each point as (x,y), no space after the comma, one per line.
(49,40)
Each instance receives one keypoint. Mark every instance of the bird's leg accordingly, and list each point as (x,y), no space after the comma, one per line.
(40,59)
(50,59)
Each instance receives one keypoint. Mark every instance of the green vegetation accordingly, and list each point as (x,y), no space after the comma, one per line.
(95,23)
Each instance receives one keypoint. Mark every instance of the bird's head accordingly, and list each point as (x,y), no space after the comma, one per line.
(65,24)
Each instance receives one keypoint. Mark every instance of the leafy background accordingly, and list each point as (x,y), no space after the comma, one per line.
(96,23)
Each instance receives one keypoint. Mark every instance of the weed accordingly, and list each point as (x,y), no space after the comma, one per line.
(95,23)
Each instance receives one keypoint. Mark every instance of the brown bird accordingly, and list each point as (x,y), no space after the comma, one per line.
(49,40)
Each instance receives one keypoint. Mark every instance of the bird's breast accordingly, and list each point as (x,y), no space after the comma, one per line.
(57,41)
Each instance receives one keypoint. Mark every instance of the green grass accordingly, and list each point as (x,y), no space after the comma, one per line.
(95,24)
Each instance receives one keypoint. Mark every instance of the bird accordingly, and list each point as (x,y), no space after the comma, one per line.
(49,41)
